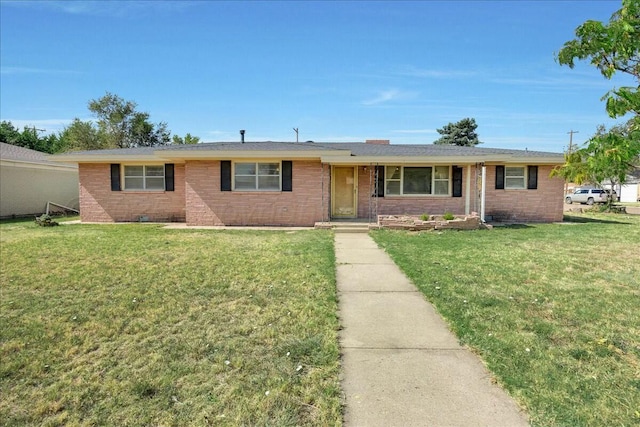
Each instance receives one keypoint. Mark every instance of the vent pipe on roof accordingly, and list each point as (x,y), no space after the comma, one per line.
(242,136)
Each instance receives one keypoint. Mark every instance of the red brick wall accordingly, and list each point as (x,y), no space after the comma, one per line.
(207,205)
(198,200)
(542,205)
(99,204)
(401,205)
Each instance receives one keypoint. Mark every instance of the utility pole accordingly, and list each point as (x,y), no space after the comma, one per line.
(296,131)
(571,132)
(569,151)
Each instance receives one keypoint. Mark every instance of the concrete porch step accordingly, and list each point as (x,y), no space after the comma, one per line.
(344,227)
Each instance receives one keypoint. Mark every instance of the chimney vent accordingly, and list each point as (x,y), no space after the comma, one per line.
(242,136)
(378,141)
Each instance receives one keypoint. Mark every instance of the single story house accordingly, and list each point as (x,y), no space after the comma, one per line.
(29,179)
(299,184)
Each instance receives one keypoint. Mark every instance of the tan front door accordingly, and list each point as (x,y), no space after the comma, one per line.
(344,185)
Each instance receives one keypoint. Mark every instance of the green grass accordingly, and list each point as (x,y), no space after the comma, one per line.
(553,310)
(137,325)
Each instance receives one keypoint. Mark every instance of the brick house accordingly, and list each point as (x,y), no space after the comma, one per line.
(299,184)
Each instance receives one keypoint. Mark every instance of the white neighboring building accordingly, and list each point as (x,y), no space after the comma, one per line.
(28,180)
(629,192)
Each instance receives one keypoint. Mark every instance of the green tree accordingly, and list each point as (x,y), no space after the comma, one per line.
(81,135)
(606,158)
(612,47)
(121,126)
(462,133)
(188,139)
(9,134)
(29,138)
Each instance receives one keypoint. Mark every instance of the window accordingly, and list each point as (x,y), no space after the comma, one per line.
(441,180)
(256,176)
(514,177)
(417,180)
(144,177)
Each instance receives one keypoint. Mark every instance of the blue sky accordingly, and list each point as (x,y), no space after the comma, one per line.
(338,71)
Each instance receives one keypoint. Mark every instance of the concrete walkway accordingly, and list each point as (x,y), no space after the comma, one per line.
(401,364)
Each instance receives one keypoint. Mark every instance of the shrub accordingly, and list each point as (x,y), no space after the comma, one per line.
(424,217)
(448,216)
(45,221)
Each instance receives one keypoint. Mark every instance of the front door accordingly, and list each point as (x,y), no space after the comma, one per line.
(344,186)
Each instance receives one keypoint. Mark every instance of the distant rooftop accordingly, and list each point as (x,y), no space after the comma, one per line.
(21,154)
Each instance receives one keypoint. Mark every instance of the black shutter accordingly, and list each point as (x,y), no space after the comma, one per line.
(287,175)
(380,173)
(115,177)
(457,181)
(499,177)
(532,180)
(225,175)
(168,177)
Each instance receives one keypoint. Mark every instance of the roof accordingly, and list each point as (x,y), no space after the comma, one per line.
(328,152)
(15,153)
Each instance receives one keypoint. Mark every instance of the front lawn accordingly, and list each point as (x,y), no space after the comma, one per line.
(554,310)
(138,325)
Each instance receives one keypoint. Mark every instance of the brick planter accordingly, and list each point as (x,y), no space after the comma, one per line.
(435,222)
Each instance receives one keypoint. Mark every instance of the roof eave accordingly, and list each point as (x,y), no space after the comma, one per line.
(459,160)
(113,158)
(27,163)
(249,154)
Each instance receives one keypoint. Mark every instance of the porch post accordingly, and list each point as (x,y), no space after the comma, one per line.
(467,196)
(483,191)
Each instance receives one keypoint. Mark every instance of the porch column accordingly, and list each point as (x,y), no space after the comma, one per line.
(467,196)
(483,191)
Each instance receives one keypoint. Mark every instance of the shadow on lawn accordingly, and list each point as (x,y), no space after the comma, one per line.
(511,226)
(585,220)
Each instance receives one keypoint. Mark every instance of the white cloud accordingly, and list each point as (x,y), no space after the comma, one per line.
(387,96)
(30,70)
(436,73)
(46,126)
(106,8)
(563,82)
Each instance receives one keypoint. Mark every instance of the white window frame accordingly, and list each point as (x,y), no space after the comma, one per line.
(522,177)
(389,172)
(144,177)
(257,176)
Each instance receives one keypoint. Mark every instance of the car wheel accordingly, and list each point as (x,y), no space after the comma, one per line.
(568,200)
(590,201)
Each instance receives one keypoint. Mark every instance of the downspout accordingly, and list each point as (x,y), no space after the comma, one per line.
(322,191)
(467,196)
(483,191)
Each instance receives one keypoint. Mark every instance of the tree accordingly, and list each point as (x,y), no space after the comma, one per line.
(121,126)
(188,139)
(118,125)
(611,48)
(614,47)
(9,134)
(607,157)
(29,138)
(81,135)
(462,133)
